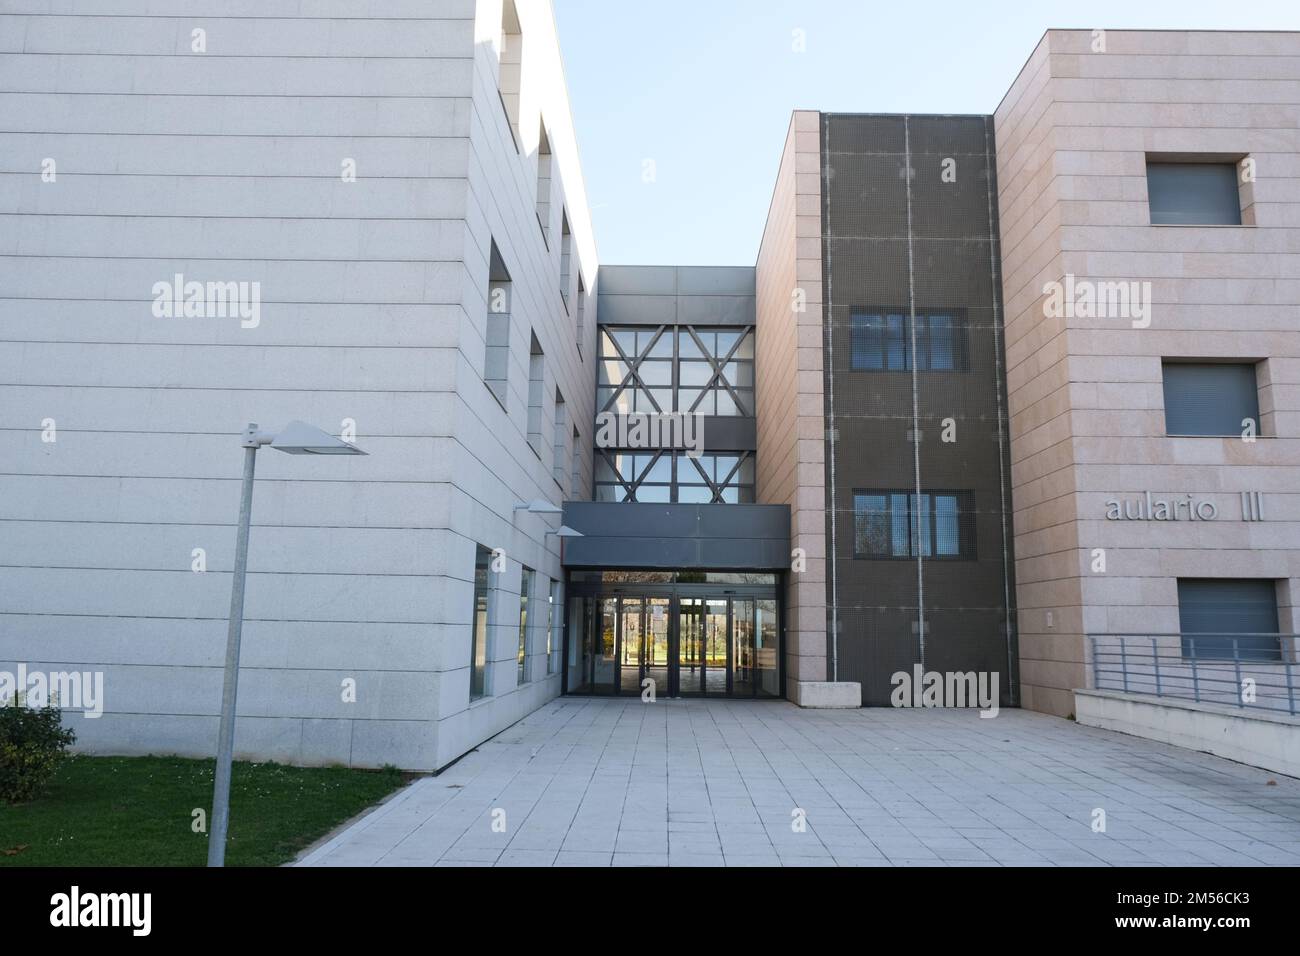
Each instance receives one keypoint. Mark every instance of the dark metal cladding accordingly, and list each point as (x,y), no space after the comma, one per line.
(909,224)
(731,537)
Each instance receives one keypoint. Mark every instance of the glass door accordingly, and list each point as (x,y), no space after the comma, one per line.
(655,654)
(742,647)
(643,625)
(716,678)
(603,666)
(690,647)
(632,645)
(692,644)
(704,654)
(766,649)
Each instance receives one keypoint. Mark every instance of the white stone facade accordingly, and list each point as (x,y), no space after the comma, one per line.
(228,155)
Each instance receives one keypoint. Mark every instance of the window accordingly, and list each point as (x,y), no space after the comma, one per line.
(582,309)
(566,257)
(544,185)
(715,478)
(1210,398)
(621,474)
(901,524)
(715,371)
(577,490)
(525,584)
(1193,194)
(560,441)
(635,372)
(684,369)
(1215,613)
(554,623)
(496,363)
(882,341)
(667,476)
(509,72)
(480,630)
(536,393)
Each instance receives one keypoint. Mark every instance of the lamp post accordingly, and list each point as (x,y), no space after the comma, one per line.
(296,438)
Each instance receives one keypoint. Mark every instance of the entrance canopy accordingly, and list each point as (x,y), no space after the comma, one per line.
(740,537)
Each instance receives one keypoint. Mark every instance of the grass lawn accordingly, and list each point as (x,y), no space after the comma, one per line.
(137,811)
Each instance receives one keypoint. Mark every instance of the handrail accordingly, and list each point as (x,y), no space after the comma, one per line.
(1244,669)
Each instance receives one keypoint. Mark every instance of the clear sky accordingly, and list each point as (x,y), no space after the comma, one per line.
(704,90)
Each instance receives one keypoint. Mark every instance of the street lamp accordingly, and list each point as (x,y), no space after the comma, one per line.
(296,438)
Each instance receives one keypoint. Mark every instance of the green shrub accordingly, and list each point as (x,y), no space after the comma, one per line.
(33,742)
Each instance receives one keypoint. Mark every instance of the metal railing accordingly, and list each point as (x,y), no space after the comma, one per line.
(1240,670)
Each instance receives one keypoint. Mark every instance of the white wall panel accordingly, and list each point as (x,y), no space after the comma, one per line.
(225,166)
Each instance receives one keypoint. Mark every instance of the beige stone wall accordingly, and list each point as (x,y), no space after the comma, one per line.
(1085,394)
(791,429)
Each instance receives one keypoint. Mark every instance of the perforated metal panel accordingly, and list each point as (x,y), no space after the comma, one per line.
(910,238)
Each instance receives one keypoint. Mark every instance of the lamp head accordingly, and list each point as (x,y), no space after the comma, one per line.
(299,438)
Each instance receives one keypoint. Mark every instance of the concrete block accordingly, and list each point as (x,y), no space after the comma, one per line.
(826,694)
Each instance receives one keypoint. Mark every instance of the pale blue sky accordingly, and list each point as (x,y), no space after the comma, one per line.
(705,89)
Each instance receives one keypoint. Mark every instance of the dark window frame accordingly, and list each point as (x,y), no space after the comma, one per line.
(1217,643)
(639,361)
(1184,364)
(960,342)
(966,526)
(1165,185)
(482,611)
(683,473)
(526,582)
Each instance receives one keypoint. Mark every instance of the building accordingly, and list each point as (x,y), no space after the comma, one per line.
(404,187)
(678,576)
(1167,158)
(895,456)
(996,388)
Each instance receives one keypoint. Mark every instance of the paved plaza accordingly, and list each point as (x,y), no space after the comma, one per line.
(693,782)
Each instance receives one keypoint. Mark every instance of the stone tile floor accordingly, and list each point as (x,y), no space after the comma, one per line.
(608,782)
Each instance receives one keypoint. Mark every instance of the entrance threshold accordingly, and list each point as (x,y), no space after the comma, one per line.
(674,639)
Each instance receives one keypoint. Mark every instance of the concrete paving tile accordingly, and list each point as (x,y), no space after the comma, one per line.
(583,858)
(695,859)
(708,782)
(513,857)
(640,859)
